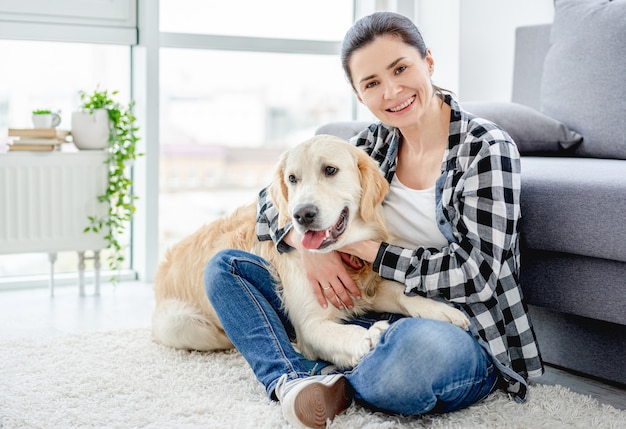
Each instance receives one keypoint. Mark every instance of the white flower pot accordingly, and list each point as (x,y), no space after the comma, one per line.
(90,130)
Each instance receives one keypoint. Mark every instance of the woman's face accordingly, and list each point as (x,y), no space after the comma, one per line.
(393,80)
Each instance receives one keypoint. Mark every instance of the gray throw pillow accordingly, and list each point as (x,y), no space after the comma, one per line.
(532,131)
(583,83)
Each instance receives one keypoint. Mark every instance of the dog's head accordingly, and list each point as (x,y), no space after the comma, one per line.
(331,191)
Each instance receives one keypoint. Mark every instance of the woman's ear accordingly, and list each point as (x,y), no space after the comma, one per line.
(278,191)
(430,61)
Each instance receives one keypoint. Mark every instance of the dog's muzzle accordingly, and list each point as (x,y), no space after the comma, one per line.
(314,238)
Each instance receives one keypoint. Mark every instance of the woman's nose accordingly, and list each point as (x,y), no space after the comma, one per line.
(391,90)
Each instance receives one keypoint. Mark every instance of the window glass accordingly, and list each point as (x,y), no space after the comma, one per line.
(38,75)
(225,119)
(46,74)
(319,20)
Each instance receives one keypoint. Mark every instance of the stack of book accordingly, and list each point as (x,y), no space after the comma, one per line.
(39,139)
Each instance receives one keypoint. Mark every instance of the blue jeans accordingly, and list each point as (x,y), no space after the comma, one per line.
(419,366)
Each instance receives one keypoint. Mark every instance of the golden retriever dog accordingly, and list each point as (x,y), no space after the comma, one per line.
(333,193)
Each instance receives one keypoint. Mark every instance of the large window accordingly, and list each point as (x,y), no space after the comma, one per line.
(239,83)
(227,115)
(50,75)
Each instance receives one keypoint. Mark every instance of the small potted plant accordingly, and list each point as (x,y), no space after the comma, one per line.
(121,146)
(45,118)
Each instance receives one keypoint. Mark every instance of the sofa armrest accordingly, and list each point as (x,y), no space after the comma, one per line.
(343,129)
(531,46)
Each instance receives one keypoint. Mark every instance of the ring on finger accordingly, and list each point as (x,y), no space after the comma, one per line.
(327,287)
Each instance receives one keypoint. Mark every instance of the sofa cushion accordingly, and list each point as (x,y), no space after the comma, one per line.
(532,131)
(574,205)
(583,74)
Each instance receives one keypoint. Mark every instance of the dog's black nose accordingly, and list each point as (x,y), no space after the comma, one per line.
(305,214)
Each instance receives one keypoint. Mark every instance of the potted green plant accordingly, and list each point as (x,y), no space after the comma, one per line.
(122,152)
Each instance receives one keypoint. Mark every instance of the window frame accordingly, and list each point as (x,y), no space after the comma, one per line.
(89,21)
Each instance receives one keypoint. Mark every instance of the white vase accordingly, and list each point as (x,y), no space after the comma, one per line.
(90,130)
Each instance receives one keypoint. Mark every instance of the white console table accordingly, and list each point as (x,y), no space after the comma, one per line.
(45,198)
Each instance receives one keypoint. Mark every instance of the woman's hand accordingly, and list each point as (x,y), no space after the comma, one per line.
(327,274)
(329,279)
(366,250)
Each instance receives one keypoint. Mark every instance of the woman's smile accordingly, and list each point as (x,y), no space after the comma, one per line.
(402,106)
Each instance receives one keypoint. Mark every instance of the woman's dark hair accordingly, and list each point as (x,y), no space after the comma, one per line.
(369,28)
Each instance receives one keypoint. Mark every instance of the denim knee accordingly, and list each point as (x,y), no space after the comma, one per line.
(215,270)
(231,271)
(432,341)
(416,361)
(432,348)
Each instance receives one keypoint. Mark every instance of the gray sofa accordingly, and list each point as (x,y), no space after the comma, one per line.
(568,83)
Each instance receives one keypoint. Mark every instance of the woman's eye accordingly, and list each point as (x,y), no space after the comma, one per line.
(400,69)
(330,171)
(292,179)
(371,85)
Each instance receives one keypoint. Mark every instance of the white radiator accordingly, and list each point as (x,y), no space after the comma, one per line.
(45,198)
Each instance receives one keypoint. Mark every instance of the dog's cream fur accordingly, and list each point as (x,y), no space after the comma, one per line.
(329,175)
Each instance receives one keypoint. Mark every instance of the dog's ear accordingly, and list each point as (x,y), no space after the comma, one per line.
(278,191)
(374,187)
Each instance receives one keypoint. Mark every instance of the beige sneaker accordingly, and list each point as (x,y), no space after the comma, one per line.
(314,401)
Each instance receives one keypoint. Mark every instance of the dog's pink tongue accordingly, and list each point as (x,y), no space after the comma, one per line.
(313,239)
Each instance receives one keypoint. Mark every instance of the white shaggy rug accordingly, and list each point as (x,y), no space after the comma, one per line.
(122,379)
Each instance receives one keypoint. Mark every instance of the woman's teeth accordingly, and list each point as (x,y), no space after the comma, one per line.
(403,105)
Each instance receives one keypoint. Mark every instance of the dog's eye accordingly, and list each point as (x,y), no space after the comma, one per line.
(330,171)
(292,179)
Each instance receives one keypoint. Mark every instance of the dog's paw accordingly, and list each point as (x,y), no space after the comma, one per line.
(365,344)
(456,317)
(376,331)
(436,310)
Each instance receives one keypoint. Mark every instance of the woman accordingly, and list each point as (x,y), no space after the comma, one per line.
(454,201)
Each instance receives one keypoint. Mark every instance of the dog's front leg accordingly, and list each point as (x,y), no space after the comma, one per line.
(344,345)
(320,332)
(391,298)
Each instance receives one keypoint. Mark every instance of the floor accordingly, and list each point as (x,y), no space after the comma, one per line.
(33,313)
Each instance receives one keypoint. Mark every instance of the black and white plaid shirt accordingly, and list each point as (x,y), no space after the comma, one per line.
(478,211)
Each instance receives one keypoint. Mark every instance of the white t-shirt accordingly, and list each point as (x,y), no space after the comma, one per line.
(410,216)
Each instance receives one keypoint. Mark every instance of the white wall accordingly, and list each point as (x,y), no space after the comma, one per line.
(473,42)
(438,21)
(488,42)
